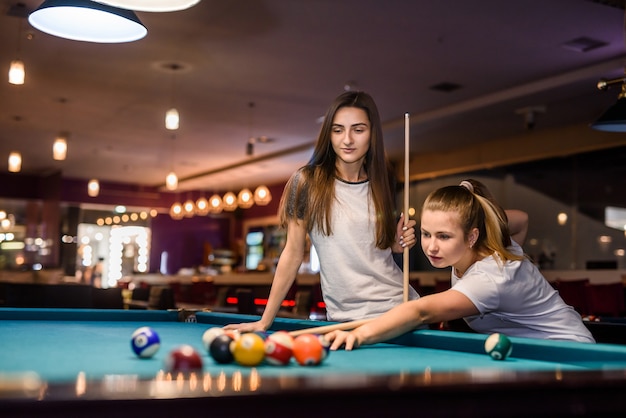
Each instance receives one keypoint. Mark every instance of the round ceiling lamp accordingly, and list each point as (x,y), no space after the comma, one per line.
(84,20)
(151,6)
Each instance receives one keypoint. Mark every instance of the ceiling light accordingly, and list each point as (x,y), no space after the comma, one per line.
(15,162)
(59,148)
(171,181)
(614,119)
(176,211)
(93,188)
(215,204)
(229,202)
(171,119)
(262,196)
(153,5)
(189,208)
(84,20)
(245,199)
(202,206)
(16,72)
(16,69)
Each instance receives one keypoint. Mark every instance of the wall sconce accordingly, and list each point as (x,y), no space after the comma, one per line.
(85,20)
(561,218)
(59,148)
(613,120)
(93,188)
(15,162)
(151,6)
(262,196)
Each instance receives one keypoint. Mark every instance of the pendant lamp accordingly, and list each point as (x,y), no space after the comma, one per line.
(245,199)
(15,162)
(229,202)
(152,5)
(93,188)
(262,196)
(89,21)
(215,204)
(171,181)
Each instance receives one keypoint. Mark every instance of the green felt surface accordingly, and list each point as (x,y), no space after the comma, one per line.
(60,345)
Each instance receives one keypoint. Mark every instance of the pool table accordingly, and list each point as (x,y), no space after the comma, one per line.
(78,362)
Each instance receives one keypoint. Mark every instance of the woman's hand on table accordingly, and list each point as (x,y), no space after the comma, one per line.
(247,327)
(339,338)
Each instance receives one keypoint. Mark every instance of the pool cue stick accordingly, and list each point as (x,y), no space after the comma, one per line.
(343,326)
(405,264)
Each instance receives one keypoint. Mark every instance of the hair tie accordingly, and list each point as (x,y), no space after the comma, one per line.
(467,185)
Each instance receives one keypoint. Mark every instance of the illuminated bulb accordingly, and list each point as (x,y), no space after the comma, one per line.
(229,202)
(15,162)
(171,181)
(202,206)
(176,211)
(16,72)
(215,204)
(93,188)
(171,119)
(189,208)
(59,149)
(245,199)
(262,196)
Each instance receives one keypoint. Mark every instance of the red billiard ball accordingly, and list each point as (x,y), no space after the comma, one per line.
(249,349)
(279,348)
(221,349)
(183,359)
(145,342)
(308,350)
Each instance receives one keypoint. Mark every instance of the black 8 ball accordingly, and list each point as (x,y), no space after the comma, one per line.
(221,349)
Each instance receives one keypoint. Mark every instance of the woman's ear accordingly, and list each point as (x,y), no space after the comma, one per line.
(472,237)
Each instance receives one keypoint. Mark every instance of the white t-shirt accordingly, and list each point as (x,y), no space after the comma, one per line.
(516,300)
(358,279)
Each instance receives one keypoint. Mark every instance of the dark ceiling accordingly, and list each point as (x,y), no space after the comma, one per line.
(509,60)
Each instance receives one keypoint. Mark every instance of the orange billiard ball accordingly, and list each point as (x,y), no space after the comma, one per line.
(308,350)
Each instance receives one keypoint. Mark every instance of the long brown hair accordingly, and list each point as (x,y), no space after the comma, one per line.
(310,192)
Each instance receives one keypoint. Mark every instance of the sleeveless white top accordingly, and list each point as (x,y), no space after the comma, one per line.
(358,279)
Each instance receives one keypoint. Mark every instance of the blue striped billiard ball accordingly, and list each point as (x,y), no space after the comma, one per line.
(145,342)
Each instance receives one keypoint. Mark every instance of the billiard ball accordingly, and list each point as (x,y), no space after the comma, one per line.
(183,359)
(145,342)
(249,349)
(498,346)
(209,335)
(221,349)
(278,348)
(308,350)
(325,346)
